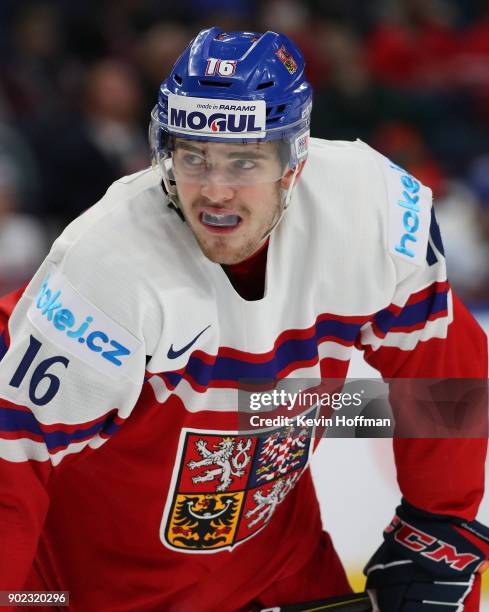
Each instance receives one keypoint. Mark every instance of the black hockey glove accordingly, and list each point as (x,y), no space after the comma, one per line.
(428,563)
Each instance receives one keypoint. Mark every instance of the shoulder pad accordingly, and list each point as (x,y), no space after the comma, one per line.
(409,211)
(74,324)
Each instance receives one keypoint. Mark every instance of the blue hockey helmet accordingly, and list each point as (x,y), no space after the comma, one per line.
(237,87)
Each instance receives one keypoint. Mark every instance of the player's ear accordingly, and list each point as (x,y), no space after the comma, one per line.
(285,182)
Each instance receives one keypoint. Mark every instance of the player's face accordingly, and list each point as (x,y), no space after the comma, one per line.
(229,194)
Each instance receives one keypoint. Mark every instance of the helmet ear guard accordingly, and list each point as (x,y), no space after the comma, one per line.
(234,87)
(159,139)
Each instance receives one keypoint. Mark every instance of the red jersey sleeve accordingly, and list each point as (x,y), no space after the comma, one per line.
(426,332)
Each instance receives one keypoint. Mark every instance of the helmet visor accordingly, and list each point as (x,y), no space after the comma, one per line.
(247,163)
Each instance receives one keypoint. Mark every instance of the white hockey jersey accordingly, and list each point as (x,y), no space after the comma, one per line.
(127,332)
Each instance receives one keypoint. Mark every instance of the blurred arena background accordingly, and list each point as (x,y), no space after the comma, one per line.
(410,77)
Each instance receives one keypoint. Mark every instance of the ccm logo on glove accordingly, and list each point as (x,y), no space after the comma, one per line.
(430,547)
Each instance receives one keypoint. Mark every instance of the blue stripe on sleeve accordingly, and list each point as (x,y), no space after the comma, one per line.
(412,314)
(12,421)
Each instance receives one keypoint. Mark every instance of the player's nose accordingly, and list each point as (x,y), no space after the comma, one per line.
(216,191)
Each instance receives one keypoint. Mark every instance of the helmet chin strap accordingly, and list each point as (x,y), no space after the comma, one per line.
(286,197)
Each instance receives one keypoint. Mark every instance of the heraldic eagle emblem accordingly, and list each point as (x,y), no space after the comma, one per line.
(226,486)
(204,522)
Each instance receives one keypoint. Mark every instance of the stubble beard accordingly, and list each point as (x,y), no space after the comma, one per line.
(220,250)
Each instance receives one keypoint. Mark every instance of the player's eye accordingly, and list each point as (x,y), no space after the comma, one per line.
(193,161)
(244,164)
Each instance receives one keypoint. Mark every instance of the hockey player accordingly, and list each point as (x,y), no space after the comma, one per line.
(123,477)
